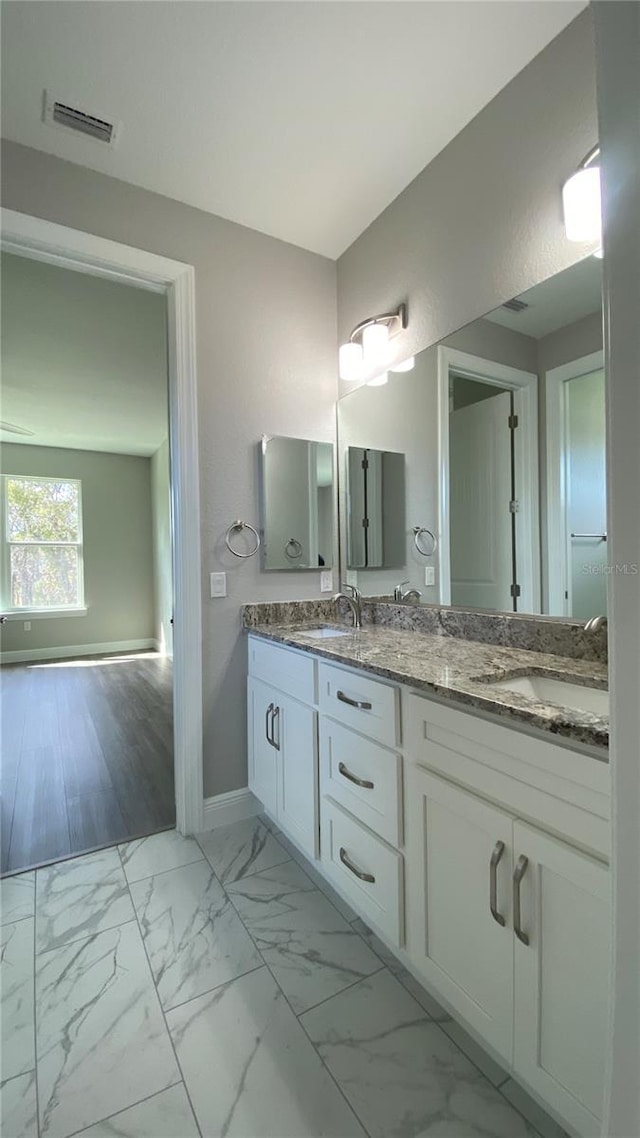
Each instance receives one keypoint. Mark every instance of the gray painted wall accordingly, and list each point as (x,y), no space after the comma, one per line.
(162,550)
(266,359)
(483,222)
(117,541)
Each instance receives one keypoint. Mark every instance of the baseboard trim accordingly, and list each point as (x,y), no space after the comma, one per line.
(72,650)
(222,809)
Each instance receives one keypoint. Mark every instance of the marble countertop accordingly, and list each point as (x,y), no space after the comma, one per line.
(461,671)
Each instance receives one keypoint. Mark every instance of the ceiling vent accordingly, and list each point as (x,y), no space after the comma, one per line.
(62,114)
(515,305)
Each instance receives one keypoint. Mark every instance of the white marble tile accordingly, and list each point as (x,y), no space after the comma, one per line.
(158,853)
(311,950)
(493,1071)
(102,1042)
(192,933)
(400,1072)
(546,1126)
(16,1003)
(80,897)
(240,849)
(427,1002)
(18,1107)
(17,897)
(250,1069)
(166,1115)
(316,876)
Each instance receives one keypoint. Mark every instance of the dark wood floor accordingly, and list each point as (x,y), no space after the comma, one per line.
(87,755)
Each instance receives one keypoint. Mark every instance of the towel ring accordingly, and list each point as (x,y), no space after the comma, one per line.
(297,549)
(236,527)
(418,532)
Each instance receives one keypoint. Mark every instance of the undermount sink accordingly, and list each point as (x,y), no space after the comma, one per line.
(327,633)
(546,689)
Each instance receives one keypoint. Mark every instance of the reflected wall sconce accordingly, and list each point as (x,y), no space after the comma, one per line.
(581,200)
(367,352)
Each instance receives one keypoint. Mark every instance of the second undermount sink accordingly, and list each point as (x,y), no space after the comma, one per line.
(326,633)
(547,689)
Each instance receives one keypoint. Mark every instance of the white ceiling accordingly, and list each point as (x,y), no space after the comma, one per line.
(302,120)
(556,302)
(83,360)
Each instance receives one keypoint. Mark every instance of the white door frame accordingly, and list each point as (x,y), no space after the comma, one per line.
(559,584)
(524,384)
(43,240)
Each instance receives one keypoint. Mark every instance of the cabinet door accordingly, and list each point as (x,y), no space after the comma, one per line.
(453,938)
(561,977)
(295,733)
(262,754)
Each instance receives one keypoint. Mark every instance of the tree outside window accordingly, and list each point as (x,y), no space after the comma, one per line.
(43,543)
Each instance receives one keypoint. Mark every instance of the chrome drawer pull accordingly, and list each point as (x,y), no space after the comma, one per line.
(267,733)
(518,874)
(275,719)
(360,703)
(344,858)
(354,778)
(498,851)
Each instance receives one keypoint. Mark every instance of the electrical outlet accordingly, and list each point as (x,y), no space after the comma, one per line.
(430,575)
(27,626)
(218,583)
(352,577)
(326,581)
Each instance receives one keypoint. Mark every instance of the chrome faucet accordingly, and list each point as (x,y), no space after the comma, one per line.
(595,623)
(354,600)
(411,594)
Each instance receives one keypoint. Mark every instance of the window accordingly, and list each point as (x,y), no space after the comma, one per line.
(42,544)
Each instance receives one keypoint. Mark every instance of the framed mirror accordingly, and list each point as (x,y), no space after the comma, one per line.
(503,430)
(296,503)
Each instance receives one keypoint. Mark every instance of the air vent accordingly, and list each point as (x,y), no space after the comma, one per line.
(515,305)
(63,114)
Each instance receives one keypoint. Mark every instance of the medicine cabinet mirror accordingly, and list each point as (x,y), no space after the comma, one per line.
(502,428)
(297,503)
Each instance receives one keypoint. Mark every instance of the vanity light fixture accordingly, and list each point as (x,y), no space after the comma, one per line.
(581,200)
(367,349)
(378,380)
(404,365)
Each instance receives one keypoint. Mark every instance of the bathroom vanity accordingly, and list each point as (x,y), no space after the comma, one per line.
(466,822)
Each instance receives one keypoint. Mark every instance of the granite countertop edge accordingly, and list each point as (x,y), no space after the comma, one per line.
(473,659)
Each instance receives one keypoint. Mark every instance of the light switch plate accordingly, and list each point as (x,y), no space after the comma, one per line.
(326,581)
(27,626)
(352,577)
(429,575)
(218,583)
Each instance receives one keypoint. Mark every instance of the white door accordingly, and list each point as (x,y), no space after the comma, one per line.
(457,846)
(561,977)
(479,494)
(262,754)
(295,737)
(585,475)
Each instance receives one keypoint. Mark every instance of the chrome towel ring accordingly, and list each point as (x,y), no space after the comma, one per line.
(418,541)
(296,549)
(236,527)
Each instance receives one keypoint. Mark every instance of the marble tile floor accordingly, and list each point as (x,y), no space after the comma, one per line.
(218,988)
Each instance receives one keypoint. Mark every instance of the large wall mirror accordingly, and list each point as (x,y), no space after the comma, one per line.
(502,432)
(297,503)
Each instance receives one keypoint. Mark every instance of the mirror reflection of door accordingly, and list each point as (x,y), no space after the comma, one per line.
(482,537)
(585,480)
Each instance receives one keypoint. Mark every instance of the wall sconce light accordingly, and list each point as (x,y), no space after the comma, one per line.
(367,350)
(581,201)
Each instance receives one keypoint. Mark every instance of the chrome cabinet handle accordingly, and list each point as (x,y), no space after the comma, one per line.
(275,719)
(498,851)
(518,874)
(345,859)
(360,703)
(266,724)
(354,778)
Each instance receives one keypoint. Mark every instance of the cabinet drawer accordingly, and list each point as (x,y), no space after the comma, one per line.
(289,671)
(364,868)
(363,777)
(367,705)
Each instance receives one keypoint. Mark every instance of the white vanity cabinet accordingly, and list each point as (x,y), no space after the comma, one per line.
(283,748)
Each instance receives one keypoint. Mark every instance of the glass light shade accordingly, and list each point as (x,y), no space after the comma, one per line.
(375,345)
(581,202)
(404,365)
(351,362)
(378,380)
